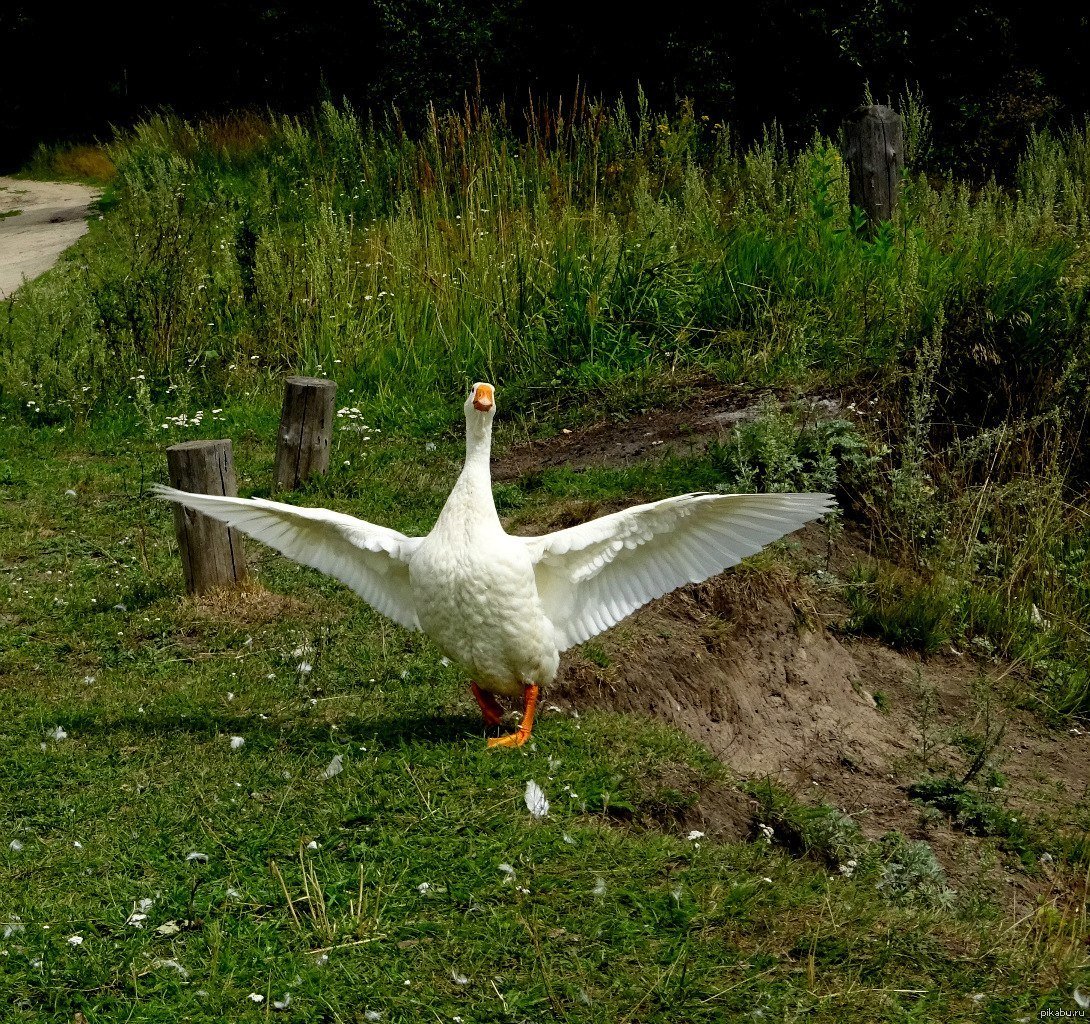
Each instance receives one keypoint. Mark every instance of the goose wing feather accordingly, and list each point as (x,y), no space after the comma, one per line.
(591,576)
(372,560)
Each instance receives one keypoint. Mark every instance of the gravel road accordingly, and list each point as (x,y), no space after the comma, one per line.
(52,215)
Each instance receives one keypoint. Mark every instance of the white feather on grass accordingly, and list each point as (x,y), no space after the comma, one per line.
(536,803)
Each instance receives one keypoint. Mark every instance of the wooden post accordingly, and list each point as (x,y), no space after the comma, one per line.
(212,554)
(306,430)
(874,152)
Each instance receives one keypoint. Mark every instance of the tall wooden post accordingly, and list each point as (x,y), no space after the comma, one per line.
(306,430)
(874,151)
(212,554)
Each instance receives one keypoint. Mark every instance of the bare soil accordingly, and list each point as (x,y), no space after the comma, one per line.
(52,216)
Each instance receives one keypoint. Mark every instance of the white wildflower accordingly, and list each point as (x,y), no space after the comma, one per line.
(256,997)
(75,940)
(767,832)
(694,835)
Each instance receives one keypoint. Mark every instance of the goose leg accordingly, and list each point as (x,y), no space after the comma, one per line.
(490,709)
(529,706)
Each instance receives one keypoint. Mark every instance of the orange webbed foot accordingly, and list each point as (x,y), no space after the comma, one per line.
(517,739)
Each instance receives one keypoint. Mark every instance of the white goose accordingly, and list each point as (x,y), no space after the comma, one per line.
(506,606)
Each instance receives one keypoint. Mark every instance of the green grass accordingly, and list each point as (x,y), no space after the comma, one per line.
(609,916)
(607,265)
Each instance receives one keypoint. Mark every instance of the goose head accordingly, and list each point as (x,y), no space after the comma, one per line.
(480,408)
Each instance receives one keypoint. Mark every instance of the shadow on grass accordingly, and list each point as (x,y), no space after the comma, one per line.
(386,732)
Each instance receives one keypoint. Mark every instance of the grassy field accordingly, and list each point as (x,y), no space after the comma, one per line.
(210,805)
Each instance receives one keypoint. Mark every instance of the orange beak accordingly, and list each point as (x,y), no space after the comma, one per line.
(483,397)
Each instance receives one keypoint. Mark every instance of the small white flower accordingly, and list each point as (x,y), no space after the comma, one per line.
(75,940)
(423,887)
(312,845)
(57,733)
(694,835)
(237,742)
(304,668)
(335,767)
(767,832)
(256,997)
(536,803)
(459,979)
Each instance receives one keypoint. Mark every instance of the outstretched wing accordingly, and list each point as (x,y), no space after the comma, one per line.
(591,576)
(372,560)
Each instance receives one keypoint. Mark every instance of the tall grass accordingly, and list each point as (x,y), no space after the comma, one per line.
(595,246)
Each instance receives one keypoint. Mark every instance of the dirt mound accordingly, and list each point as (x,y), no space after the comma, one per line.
(741,666)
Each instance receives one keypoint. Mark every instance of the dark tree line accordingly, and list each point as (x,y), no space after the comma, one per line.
(989,70)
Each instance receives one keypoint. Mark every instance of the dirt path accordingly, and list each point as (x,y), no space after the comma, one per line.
(38,221)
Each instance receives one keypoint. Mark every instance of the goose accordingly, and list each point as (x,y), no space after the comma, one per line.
(506,606)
